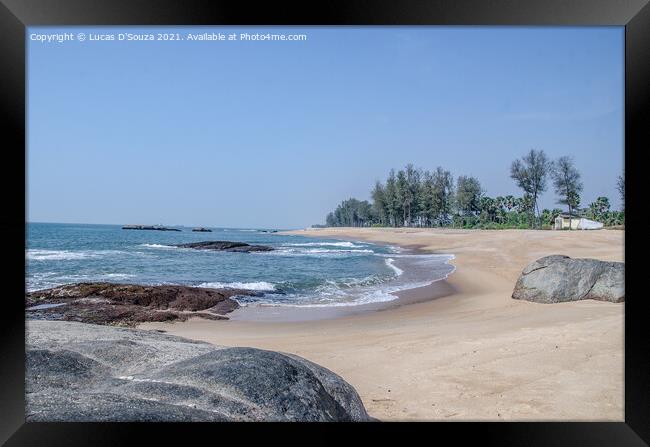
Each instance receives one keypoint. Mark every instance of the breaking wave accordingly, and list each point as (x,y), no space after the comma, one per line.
(67,255)
(260,285)
(56,255)
(326,244)
(156,246)
(390,263)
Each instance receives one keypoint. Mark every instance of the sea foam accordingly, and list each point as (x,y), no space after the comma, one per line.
(326,244)
(260,285)
(390,263)
(57,255)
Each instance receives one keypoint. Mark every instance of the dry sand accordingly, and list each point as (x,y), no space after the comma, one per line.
(474,354)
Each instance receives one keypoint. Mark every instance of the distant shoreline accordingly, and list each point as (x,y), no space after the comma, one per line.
(175,225)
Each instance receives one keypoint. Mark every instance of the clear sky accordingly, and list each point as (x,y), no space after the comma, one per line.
(277,133)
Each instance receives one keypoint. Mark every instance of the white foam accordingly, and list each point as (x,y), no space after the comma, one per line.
(315,252)
(57,255)
(327,250)
(99,276)
(327,244)
(260,285)
(355,292)
(423,256)
(48,279)
(68,255)
(398,271)
(333,299)
(157,246)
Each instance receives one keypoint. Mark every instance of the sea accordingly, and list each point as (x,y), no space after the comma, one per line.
(302,271)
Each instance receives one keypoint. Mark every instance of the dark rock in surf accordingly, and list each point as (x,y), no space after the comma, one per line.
(79,373)
(130,304)
(558,278)
(149,227)
(239,247)
(202,230)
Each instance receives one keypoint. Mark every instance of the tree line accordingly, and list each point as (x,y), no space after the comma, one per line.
(413,197)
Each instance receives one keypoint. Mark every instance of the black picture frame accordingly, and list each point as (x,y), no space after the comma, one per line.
(16,15)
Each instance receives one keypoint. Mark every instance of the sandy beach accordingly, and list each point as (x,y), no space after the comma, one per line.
(462,349)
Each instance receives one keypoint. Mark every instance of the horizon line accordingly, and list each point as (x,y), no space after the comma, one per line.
(175,225)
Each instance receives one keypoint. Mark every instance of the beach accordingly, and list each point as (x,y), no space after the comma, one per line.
(461,349)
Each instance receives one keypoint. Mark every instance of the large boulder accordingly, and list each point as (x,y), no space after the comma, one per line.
(82,372)
(558,278)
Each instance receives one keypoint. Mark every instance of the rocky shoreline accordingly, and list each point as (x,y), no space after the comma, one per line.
(130,304)
(78,372)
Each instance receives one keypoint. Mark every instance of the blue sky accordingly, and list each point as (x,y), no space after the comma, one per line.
(276,134)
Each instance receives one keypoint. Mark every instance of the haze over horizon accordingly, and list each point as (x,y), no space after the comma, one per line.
(276,134)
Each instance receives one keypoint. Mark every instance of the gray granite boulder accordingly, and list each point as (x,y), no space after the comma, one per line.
(558,278)
(82,372)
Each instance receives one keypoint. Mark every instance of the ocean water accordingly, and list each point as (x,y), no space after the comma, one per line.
(301,271)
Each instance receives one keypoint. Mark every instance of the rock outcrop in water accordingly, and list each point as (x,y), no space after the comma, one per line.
(239,247)
(130,304)
(202,230)
(149,227)
(79,372)
(558,278)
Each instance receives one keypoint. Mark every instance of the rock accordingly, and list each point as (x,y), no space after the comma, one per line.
(202,230)
(149,227)
(558,278)
(130,304)
(239,247)
(79,372)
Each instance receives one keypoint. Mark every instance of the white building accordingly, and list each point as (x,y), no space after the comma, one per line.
(565,221)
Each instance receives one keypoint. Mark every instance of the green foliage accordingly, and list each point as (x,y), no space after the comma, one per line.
(620,185)
(611,218)
(530,174)
(468,195)
(567,183)
(351,213)
(598,209)
(414,197)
